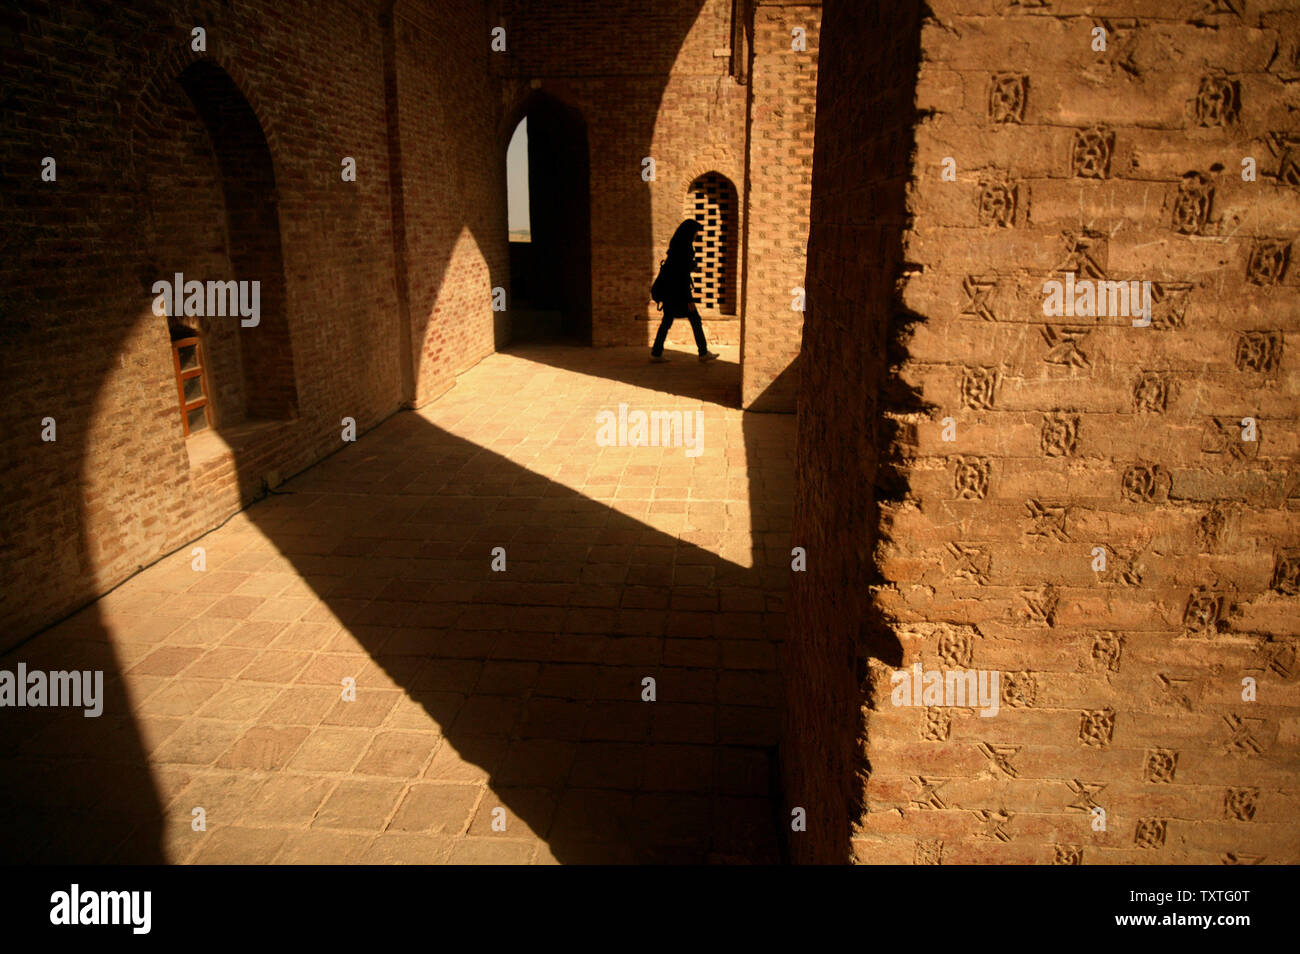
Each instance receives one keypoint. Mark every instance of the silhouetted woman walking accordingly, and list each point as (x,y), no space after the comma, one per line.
(673,287)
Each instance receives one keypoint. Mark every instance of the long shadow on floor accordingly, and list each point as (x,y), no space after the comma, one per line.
(536,674)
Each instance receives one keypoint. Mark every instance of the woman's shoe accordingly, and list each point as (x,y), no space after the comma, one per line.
(657,358)
(708,356)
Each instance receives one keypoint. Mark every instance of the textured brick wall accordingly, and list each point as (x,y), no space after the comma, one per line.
(782,113)
(860,171)
(451,173)
(138,191)
(1121,687)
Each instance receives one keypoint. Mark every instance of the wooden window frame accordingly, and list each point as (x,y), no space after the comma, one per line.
(200,372)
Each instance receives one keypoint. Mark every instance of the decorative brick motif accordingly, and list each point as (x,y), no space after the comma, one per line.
(1047,521)
(1106,651)
(971,478)
(1040,605)
(1286,572)
(997,203)
(1067,855)
(1007,95)
(955,647)
(1145,483)
(938,724)
(979,388)
(1161,765)
(1096,727)
(1060,435)
(1218,101)
(1151,393)
(1086,254)
(1243,736)
(1001,756)
(1239,804)
(1259,351)
(972,563)
(1192,204)
(928,852)
(1169,302)
(979,297)
(1063,346)
(1268,261)
(1203,614)
(1150,832)
(1090,152)
(1019,689)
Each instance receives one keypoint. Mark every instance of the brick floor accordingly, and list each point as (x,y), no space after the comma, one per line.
(498,716)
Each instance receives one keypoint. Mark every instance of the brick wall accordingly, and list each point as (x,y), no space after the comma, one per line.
(452,174)
(782,113)
(1122,686)
(649,81)
(860,171)
(140,191)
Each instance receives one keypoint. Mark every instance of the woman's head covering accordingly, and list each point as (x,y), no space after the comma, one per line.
(680,245)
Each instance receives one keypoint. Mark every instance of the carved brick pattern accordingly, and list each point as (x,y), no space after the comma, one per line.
(1090,152)
(938,725)
(1086,254)
(1047,521)
(995,824)
(997,204)
(1008,93)
(1019,689)
(1220,436)
(1060,435)
(1096,727)
(956,648)
(973,562)
(1144,483)
(1169,305)
(1242,739)
(1204,612)
(1040,605)
(928,852)
(1239,804)
(1063,346)
(1259,351)
(971,478)
(1193,203)
(1107,648)
(1001,756)
(979,297)
(1161,765)
(1085,795)
(1286,572)
(1209,528)
(928,796)
(979,388)
(1150,832)
(1268,261)
(1218,101)
(1067,855)
(1151,393)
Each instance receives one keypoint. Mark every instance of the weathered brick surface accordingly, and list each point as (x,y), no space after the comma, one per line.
(1121,687)
(781,118)
(140,193)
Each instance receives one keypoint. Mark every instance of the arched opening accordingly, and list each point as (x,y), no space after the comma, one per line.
(711,201)
(550,269)
(217,273)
